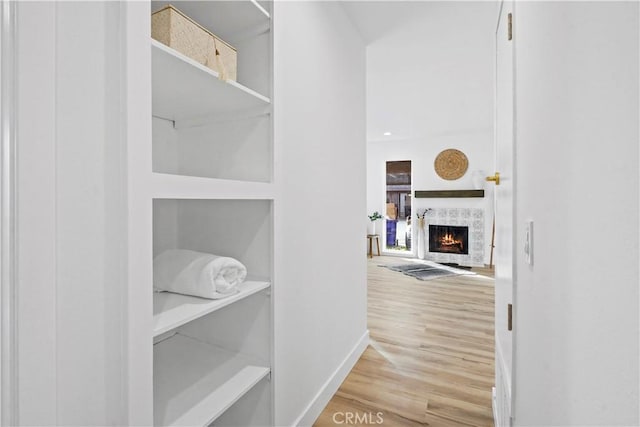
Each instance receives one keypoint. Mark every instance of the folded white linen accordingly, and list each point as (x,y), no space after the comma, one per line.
(199,274)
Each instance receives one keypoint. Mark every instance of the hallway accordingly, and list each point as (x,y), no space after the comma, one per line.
(431,357)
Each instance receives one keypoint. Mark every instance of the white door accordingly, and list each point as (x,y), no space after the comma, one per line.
(504,213)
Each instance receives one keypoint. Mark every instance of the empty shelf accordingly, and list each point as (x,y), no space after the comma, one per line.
(172,186)
(195,382)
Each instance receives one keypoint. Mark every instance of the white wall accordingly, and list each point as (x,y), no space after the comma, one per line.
(576,310)
(320,277)
(71,215)
(430,83)
(422,154)
(36,237)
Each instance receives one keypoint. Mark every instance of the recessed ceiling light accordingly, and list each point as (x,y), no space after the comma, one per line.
(387,133)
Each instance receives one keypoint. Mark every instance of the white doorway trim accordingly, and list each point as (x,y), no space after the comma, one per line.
(8,229)
(386,251)
(504,213)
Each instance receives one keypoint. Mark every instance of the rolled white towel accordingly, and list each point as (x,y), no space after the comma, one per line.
(195,273)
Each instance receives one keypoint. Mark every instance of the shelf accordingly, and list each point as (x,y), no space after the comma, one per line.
(172,310)
(195,382)
(185,89)
(171,186)
(229,20)
(448,194)
(211,190)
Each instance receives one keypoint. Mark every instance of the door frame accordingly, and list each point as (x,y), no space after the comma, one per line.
(412,253)
(8,217)
(513,178)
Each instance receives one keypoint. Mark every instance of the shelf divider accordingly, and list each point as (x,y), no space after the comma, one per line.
(173,186)
(173,310)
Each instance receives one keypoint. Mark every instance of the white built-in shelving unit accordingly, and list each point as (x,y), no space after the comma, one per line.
(211,190)
(206,127)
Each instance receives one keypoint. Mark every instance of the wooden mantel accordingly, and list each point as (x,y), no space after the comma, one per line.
(448,194)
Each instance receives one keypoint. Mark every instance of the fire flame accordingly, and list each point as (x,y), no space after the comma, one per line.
(448,239)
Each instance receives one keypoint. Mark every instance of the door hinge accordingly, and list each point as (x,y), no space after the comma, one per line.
(509,27)
(509,317)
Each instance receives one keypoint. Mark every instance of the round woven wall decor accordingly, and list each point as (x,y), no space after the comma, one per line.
(451,164)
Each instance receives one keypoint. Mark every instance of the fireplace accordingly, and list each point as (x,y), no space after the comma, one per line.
(465,225)
(449,239)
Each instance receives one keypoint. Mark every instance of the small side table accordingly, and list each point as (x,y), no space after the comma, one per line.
(371,237)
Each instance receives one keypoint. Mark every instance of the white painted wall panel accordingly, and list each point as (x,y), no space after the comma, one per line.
(320,282)
(576,309)
(88,306)
(36,184)
(72,215)
(136,103)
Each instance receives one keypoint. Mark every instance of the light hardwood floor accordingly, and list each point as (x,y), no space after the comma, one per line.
(430,361)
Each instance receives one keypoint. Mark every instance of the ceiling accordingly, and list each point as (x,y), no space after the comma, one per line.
(429,67)
(374,19)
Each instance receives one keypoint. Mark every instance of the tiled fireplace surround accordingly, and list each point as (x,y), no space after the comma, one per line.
(470,217)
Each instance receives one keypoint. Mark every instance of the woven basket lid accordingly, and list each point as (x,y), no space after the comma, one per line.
(451,164)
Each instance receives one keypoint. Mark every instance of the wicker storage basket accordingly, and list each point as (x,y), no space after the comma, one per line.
(176,30)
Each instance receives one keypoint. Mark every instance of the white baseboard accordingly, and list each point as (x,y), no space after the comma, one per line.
(501,404)
(493,407)
(329,388)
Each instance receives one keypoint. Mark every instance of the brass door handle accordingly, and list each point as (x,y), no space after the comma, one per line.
(495,178)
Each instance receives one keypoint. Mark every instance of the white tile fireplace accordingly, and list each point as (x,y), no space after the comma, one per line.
(461,238)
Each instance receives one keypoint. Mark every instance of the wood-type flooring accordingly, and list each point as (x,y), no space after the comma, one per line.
(431,357)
